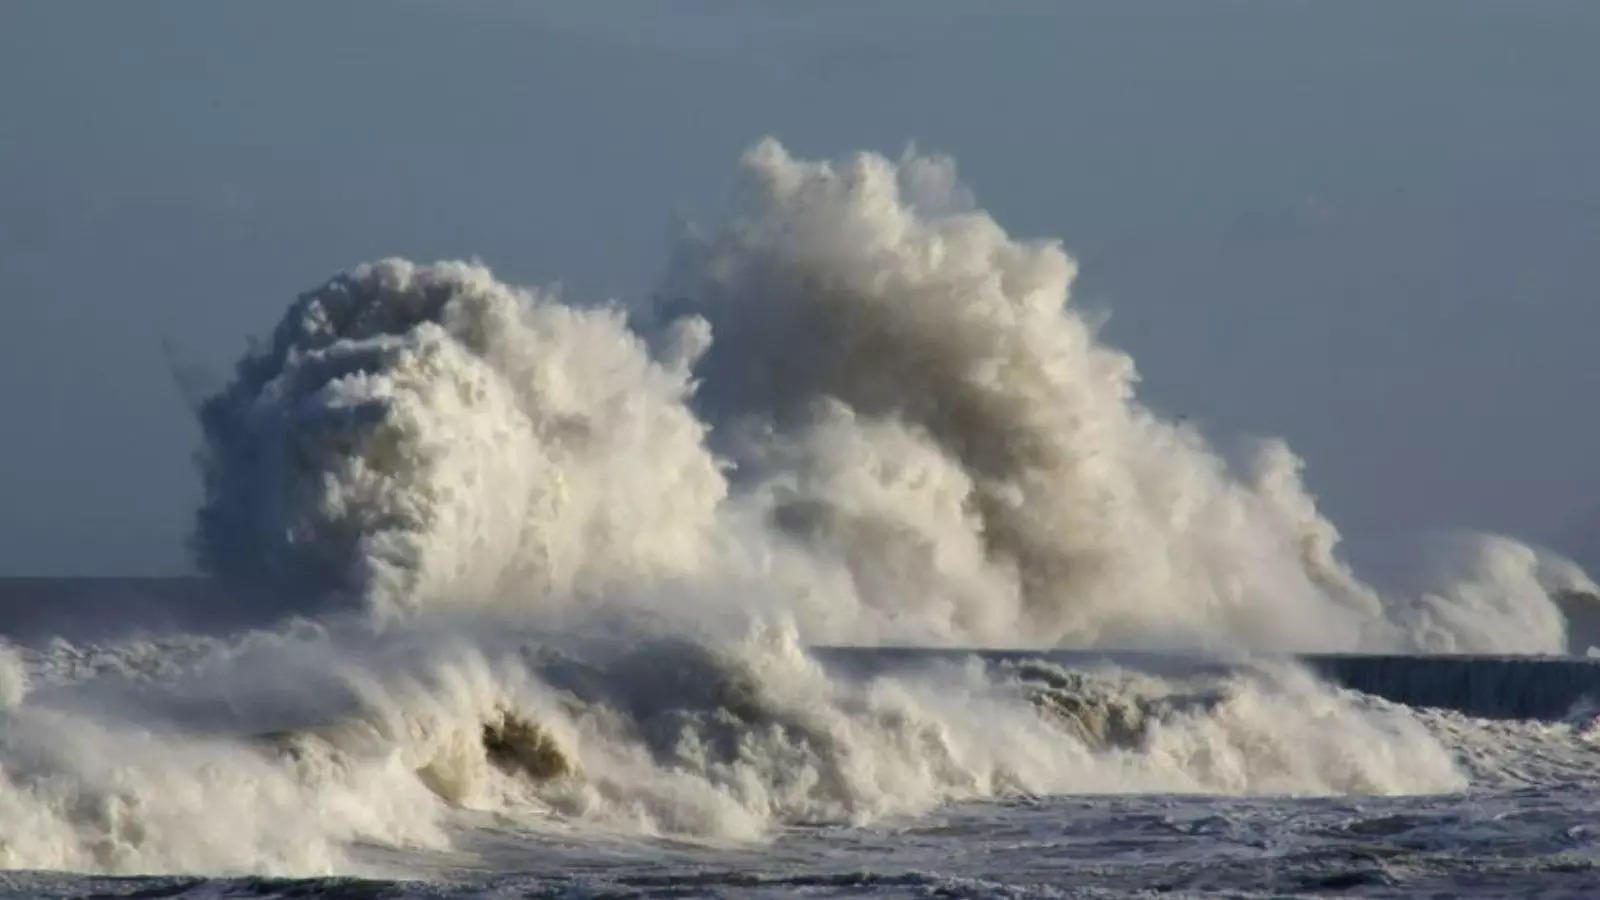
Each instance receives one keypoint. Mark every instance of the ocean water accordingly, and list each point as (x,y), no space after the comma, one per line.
(1149,773)
(1522,843)
(510,594)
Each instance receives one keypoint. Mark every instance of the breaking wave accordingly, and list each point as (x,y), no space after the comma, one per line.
(285,753)
(559,565)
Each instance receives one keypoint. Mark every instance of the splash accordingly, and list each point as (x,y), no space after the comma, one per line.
(934,415)
(862,405)
(421,434)
(559,565)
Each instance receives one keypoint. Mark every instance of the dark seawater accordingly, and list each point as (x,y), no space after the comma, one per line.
(38,608)
(1523,843)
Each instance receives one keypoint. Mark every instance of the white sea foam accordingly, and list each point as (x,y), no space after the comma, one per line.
(281,752)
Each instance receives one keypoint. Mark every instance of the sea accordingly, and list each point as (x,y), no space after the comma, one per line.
(848,561)
(1285,800)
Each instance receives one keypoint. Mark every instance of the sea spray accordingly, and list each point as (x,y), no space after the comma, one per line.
(861,404)
(423,434)
(560,565)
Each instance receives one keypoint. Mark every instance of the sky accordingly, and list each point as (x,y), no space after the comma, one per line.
(1372,228)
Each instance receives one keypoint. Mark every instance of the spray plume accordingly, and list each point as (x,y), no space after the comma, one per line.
(579,561)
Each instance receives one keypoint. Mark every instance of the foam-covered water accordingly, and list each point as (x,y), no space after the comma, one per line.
(503,764)
(653,765)
(516,594)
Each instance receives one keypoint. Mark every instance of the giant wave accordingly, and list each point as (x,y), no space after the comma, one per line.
(561,566)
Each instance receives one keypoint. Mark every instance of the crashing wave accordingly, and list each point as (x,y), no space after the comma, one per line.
(555,566)
(866,407)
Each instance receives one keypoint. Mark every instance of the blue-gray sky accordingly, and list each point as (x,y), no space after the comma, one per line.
(1370,227)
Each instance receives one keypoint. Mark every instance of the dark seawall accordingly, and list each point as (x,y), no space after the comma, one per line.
(1491,687)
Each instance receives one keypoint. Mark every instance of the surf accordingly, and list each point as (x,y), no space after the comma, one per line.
(504,560)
